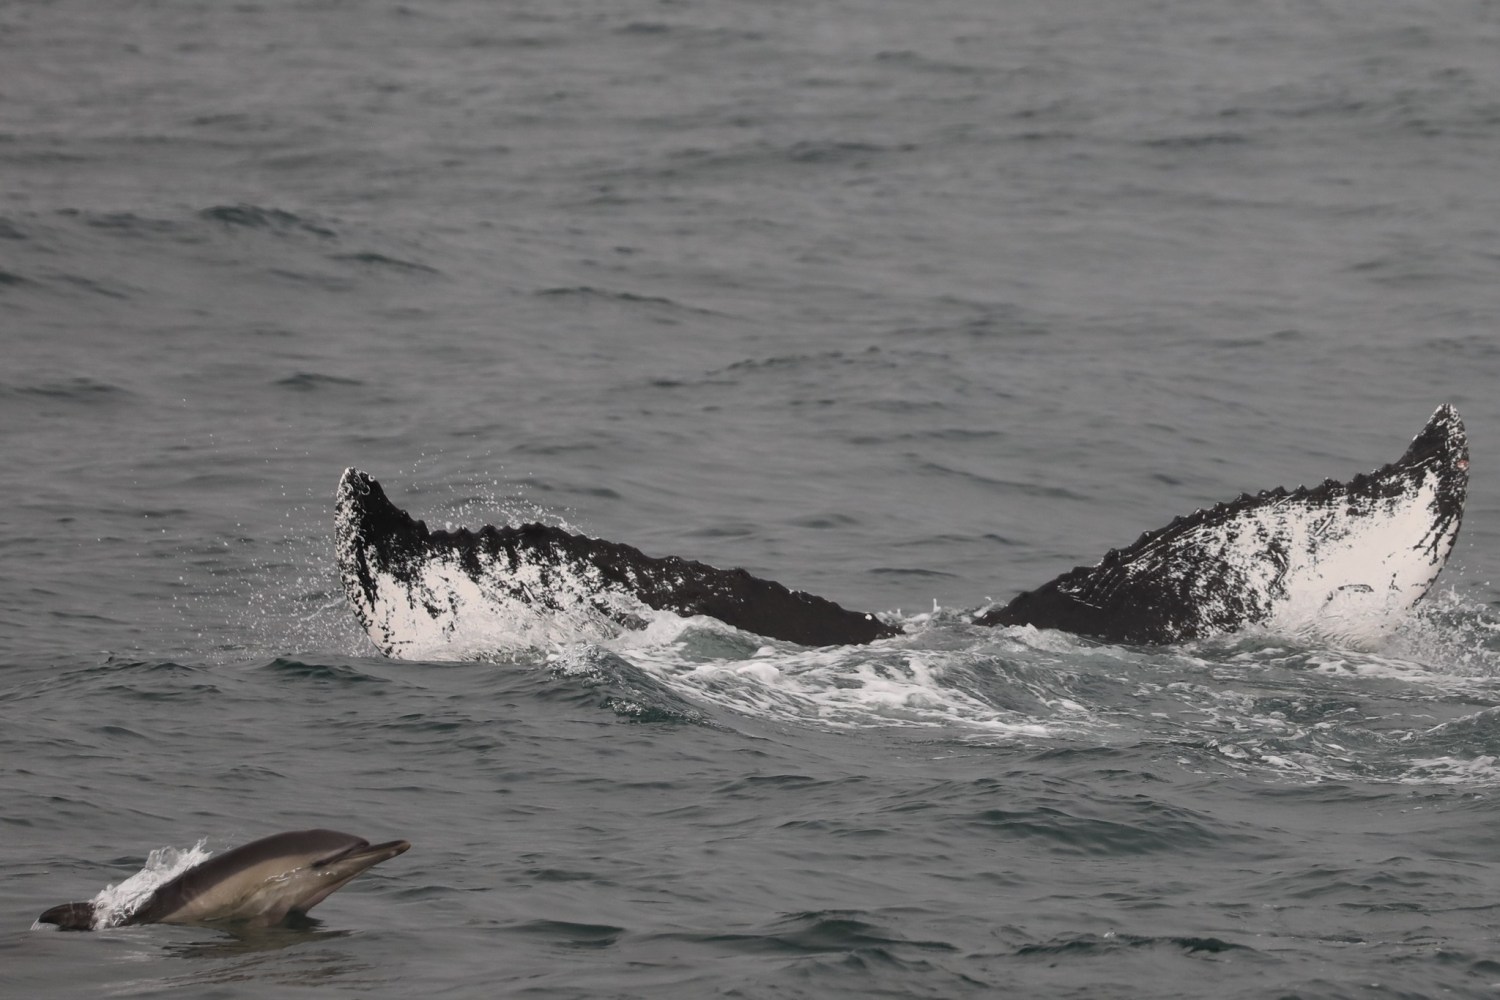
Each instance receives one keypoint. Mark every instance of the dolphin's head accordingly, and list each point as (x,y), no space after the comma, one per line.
(325,875)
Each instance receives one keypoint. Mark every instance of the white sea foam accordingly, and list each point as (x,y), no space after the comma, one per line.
(1258,702)
(115,903)
(891,683)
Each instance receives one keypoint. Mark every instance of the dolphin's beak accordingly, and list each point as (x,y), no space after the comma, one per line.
(363,856)
(338,870)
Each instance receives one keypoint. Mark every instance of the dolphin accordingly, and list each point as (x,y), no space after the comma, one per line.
(260,883)
(1338,559)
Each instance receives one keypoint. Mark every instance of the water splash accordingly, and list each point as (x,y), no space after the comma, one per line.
(114,904)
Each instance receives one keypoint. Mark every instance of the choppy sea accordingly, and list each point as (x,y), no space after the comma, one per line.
(908,305)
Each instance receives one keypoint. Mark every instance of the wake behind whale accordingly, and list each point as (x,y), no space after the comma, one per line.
(1343,559)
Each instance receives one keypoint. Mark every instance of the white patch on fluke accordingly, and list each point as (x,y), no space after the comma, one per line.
(445,612)
(1342,560)
(1347,572)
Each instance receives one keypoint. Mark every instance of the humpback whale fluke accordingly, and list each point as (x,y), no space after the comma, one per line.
(260,883)
(1340,559)
(412,588)
(1332,559)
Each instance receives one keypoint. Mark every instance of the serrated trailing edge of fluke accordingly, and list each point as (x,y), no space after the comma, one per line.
(1453,445)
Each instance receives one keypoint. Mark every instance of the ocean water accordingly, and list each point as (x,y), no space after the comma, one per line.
(909,306)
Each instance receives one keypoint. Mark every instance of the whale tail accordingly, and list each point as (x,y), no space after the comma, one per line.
(1338,559)
(416,590)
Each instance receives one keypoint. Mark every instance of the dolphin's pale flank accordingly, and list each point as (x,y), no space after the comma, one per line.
(261,883)
(1343,559)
